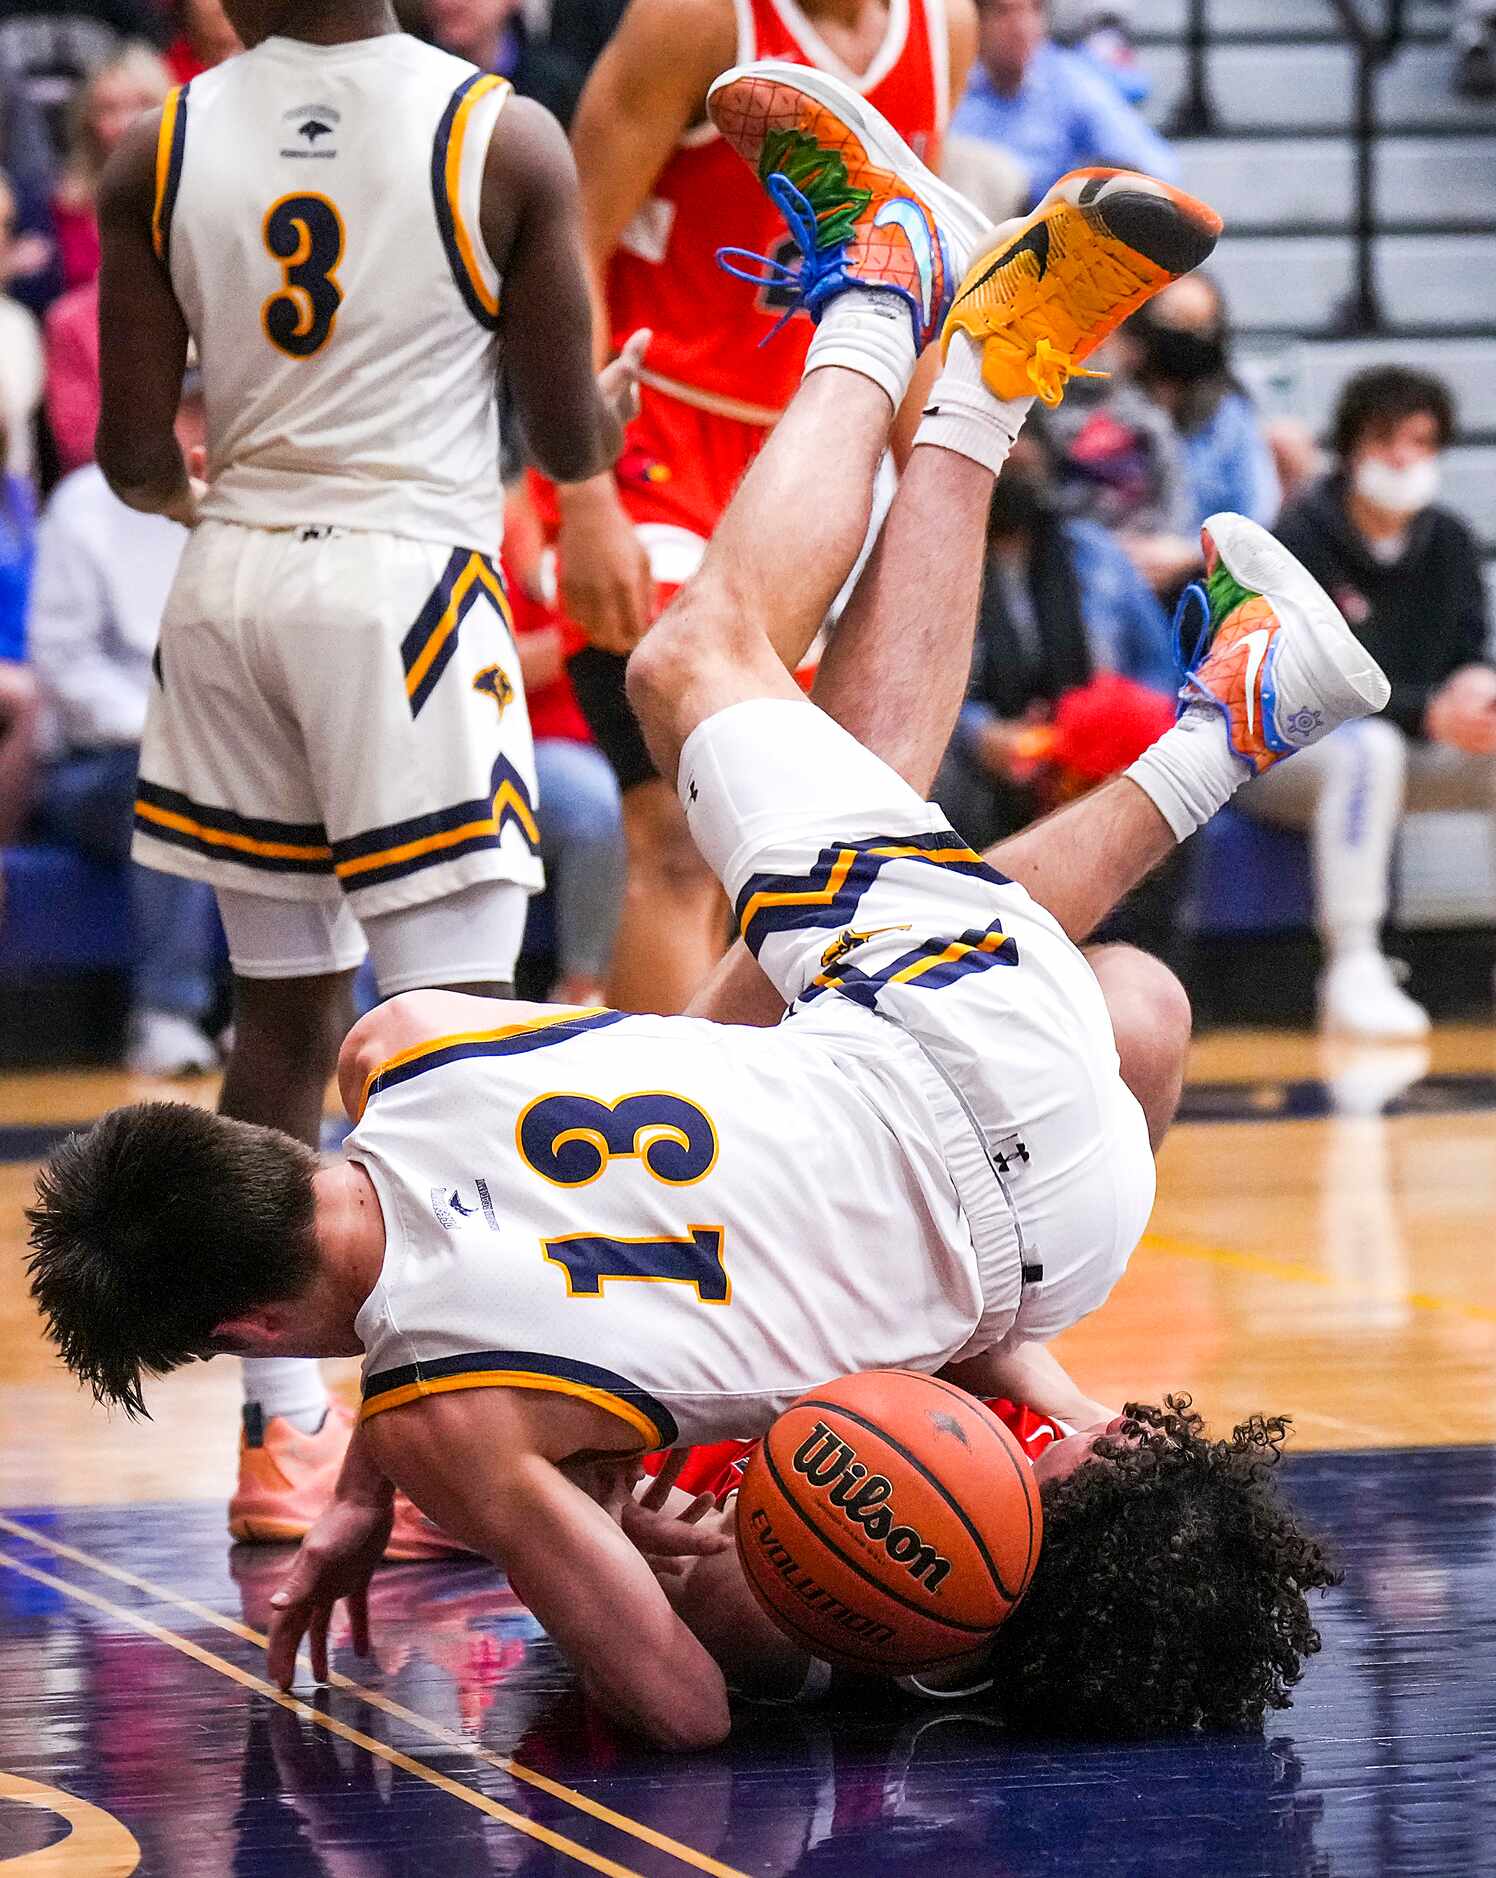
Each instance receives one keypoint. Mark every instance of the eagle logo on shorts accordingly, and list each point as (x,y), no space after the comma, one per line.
(493,682)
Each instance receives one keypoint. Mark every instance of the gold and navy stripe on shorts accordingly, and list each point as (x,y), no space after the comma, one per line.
(829,894)
(458,239)
(221,835)
(171,147)
(523,1369)
(930,965)
(431,840)
(538,1033)
(428,647)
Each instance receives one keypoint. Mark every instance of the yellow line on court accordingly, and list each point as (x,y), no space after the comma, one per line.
(468,1795)
(635,1829)
(97,1847)
(1292,1272)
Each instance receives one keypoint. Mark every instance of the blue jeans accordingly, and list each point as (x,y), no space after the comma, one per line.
(581,843)
(87,801)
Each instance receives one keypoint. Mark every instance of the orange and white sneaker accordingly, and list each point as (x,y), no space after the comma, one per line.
(1051,286)
(287,1480)
(860,206)
(1272,652)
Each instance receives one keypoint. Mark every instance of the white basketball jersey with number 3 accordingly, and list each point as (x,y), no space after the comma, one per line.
(318,210)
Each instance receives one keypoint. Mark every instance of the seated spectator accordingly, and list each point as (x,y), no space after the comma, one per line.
(1475,49)
(497,36)
(1122,466)
(100,583)
(1182,344)
(49,48)
(26,160)
(71,330)
(579,809)
(1050,105)
(22,367)
(1407,575)
(1102,29)
(206,39)
(18,695)
(1061,602)
(133,82)
(1072,678)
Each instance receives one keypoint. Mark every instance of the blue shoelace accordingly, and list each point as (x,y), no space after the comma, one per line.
(822,271)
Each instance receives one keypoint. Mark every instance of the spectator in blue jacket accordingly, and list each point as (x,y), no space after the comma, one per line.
(1183,349)
(1049,105)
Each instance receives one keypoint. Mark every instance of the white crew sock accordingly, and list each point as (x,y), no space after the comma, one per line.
(290,1386)
(867,330)
(963,415)
(1191,771)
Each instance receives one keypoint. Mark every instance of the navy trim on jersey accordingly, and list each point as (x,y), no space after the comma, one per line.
(445,218)
(168,184)
(512,1368)
(457,1050)
(221,835)
(431,840)
(828,895)
(426,650)
(931,965)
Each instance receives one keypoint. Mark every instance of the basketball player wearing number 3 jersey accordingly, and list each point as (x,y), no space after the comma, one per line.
(661,192)
(356,230)
(567,1239)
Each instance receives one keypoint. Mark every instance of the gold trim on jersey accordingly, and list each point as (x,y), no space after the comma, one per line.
(642,1424)
(435,1046)
(225,838)
(170,139)
(452,183)
(476,573)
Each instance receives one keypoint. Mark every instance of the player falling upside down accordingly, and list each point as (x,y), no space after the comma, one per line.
(338,739)
(567,1239)
(661,190)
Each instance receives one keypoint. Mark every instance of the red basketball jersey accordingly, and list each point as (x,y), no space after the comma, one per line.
(664,273)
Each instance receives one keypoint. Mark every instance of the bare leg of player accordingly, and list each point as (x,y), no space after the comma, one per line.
(779,556)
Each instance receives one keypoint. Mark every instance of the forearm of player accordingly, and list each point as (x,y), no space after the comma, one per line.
(464,1464)
(1032,1374)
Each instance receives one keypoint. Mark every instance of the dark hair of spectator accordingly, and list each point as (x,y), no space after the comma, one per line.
(156,1224)
(1384,395)
(1170,1592)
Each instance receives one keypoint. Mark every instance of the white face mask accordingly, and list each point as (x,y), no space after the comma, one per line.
(1398,491)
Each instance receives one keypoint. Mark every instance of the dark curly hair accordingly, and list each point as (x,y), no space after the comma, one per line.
(155,1225)
(1171,1588)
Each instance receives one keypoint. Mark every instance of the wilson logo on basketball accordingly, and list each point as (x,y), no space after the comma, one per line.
(830,1464)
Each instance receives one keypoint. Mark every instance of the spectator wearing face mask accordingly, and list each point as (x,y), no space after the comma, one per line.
(1182,345)
(1406,573)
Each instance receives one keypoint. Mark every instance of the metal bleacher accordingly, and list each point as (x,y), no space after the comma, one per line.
(1264,100)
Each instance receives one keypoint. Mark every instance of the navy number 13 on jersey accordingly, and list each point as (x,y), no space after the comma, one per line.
(305,234)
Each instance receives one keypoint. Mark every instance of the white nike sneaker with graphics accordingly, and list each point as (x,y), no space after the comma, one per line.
(1273,653)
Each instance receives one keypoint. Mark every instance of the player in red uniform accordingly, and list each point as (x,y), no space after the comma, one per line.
(661,192)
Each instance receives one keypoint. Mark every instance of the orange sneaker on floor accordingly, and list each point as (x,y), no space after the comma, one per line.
(287,1479)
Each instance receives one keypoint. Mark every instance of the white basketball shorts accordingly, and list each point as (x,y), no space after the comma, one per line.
(337,714)
(852,891)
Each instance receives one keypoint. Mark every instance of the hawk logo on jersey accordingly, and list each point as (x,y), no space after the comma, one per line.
(312,124)
(493,682)
(453,1208)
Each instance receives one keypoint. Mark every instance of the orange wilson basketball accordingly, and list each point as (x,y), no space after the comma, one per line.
(889,1522)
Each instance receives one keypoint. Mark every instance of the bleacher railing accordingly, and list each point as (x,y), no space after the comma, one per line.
(1195,115)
